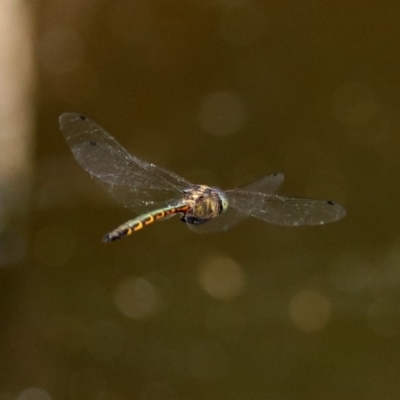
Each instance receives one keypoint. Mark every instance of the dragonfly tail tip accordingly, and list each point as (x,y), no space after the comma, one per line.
(109,238)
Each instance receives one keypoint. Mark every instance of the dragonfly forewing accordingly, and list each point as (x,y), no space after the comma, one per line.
(136,184)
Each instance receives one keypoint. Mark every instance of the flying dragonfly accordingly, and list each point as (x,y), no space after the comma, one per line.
(156,194)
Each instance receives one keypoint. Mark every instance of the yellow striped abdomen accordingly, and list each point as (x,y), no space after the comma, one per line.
(143,220)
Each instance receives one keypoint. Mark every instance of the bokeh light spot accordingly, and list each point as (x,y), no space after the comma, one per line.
(138,298)
(33,394)
(160,390)
(221,277)
(310,311)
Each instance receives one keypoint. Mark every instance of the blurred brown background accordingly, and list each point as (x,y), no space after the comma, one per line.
(220,92)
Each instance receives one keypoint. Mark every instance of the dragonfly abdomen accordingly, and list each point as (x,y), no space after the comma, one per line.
(143,220)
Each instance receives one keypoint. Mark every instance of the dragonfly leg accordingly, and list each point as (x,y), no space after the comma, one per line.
(193,220)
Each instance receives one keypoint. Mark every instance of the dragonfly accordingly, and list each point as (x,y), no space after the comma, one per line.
(157,194)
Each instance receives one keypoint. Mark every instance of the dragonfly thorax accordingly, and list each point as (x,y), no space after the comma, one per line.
(204,202)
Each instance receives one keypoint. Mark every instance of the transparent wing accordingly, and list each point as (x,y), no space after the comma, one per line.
(135,183)
(267,184)
(289,211)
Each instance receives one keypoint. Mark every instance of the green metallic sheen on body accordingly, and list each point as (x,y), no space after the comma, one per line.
(139,222)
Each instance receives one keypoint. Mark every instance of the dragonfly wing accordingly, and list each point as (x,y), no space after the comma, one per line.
(133,182)
(289,211)
(267,184)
